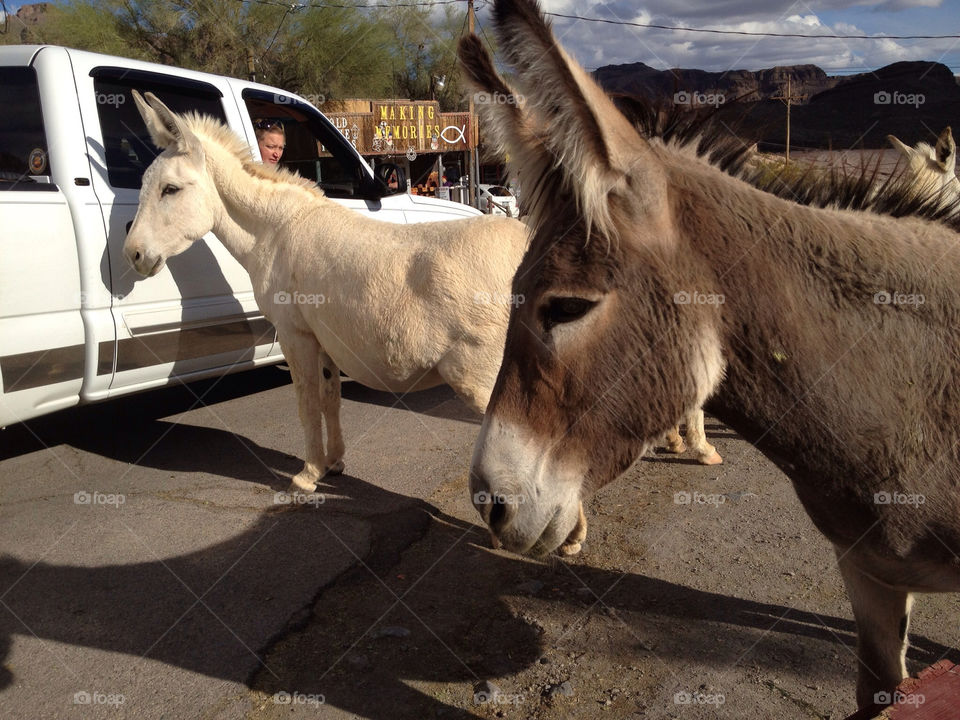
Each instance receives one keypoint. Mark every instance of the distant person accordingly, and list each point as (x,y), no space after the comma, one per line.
(271,139)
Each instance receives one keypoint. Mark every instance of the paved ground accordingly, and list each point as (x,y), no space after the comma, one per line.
(149,569)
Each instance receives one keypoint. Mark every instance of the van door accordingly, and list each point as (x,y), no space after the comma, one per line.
(199,312)
(41,331)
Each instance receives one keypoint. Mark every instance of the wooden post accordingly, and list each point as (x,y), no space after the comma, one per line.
(786,159)
(788,100)
(474,166)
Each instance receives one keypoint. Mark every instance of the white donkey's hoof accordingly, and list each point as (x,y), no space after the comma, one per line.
(677,448)
(303,483)
(710,458)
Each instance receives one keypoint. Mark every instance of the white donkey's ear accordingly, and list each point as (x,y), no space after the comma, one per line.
(946,151)
(596,147)
(905,150)
(165,128)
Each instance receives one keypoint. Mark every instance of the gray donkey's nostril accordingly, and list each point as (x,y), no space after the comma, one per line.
(136,257)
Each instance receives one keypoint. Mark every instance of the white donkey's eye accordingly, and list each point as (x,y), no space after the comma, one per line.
(561,310)
(169,190)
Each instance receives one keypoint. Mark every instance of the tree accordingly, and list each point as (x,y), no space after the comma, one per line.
(425,51)
(321,52)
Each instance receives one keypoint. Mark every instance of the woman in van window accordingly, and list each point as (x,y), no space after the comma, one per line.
(271,139)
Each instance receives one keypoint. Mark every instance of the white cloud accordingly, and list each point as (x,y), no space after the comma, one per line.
(596,44)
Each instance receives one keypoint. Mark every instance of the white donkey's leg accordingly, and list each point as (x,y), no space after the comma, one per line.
(302,352)
(330,405)
(883,617)
(697,439)
(675,443)
(574,541)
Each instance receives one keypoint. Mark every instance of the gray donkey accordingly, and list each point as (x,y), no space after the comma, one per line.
(832,342)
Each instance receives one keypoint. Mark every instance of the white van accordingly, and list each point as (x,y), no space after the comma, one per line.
(77,324)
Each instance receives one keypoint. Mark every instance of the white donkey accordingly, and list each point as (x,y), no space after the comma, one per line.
(933,169)
(404,307)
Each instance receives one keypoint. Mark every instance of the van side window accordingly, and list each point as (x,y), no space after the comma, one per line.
(314,148)
(23,142)
(126,142)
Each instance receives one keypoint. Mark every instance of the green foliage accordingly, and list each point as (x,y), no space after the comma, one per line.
(319,52)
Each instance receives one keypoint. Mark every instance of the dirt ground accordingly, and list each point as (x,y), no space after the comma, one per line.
(700,593)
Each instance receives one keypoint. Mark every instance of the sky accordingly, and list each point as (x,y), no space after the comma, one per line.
(598,44)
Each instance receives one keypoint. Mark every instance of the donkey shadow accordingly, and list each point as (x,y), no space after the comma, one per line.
(224,610)
(211,610)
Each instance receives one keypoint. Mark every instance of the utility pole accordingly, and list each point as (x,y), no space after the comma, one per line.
(251,70)
(474,130)
(787,100)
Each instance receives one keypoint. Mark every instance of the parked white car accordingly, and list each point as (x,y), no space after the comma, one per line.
(77,324)
(498,200)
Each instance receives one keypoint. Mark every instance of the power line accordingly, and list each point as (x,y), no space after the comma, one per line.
(755,34)
(431,3)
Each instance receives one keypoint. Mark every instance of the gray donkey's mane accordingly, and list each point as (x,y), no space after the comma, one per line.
(861,189)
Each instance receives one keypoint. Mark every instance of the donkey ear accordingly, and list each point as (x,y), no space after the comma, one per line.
(905,150)
(597,148)
(165,128)
(946,151)
(506,123)
(162,135)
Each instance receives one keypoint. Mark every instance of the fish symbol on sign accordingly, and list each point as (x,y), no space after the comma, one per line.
(460,134)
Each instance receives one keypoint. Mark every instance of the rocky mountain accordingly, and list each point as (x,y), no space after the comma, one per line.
(912,100)
(641,79)
(17,25)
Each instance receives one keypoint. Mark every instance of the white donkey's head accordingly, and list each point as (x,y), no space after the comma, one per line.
(932,169)
(178,200)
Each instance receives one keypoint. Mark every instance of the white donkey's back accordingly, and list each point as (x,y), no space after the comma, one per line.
(399,307)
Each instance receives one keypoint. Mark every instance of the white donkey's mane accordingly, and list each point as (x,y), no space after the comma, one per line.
(210,129)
